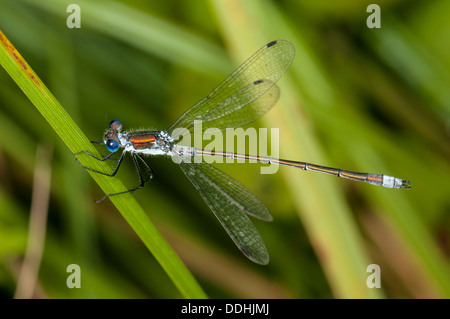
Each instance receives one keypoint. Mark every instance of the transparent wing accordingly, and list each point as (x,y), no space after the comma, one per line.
(240,91)
(230,200)
(239,117)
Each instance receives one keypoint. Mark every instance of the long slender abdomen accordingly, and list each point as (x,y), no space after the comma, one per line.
(374,179)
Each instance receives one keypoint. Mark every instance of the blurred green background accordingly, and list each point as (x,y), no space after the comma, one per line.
(370,100)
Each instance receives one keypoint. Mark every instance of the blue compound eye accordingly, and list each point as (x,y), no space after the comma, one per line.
(112,145)
(115,125)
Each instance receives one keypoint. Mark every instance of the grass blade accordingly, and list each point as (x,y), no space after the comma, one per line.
(75,140)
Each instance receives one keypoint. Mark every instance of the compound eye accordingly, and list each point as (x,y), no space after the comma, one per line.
(112,145)
(115,125)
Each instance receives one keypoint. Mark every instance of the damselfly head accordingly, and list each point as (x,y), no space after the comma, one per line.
(111,138)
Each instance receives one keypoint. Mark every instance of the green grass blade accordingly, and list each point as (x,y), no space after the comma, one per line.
(76,141)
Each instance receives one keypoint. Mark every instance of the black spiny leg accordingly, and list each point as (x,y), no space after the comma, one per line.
(144,170)
(105,158)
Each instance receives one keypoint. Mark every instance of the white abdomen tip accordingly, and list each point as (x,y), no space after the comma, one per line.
(394,182)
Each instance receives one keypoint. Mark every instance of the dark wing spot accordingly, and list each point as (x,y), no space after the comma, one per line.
(271,43)
(258,82)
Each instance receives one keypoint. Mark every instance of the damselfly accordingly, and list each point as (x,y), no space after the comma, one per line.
(244,96)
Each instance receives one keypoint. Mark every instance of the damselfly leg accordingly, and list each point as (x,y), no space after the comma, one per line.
(143,169)
(144,172)
(102,159)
